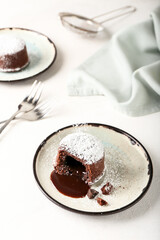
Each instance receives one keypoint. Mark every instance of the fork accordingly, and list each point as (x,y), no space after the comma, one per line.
(36,113)
(28,103)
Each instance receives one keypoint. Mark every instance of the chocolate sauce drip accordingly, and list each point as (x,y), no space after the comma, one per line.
(71,184)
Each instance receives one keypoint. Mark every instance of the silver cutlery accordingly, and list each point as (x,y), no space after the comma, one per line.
(28,103)
(37,113)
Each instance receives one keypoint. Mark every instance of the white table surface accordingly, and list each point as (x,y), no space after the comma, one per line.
(25,213)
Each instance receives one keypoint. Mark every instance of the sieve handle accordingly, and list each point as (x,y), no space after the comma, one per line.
(122,11)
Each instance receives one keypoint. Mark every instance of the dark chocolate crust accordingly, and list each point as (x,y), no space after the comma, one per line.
(14,62)
(92,171)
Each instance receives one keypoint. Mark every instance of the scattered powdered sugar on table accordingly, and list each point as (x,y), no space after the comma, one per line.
(83,146)
(10,45)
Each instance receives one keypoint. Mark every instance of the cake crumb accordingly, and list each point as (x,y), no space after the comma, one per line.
(92,193)
(107,188)
(102,202)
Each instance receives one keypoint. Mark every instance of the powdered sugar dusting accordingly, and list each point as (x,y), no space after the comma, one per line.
(10,45)
(83,146)
(115,169)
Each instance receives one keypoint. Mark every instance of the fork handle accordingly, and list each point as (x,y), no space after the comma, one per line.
(3,121)
(9,120)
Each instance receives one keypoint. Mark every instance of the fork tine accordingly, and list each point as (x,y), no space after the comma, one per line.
(42,104)
(45,112)
(38,93)
(32,88)
(43,108)
(35,93)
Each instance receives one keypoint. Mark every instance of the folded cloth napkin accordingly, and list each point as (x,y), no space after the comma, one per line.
(126,70)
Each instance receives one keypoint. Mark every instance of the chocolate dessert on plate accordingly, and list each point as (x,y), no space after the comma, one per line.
(79,164)
(13,54)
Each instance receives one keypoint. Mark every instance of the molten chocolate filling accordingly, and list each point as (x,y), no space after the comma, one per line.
(71,181)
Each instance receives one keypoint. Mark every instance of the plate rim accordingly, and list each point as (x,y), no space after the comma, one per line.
(34,31)
(144,191)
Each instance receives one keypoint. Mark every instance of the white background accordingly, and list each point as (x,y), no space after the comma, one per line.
(25,213)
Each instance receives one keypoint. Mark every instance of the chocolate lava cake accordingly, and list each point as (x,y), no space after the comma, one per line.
(80,154)
(13,54)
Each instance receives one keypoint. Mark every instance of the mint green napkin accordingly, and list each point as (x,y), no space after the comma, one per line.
(126,70)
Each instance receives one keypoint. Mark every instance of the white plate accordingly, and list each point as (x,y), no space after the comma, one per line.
(128,169)
(41,51)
